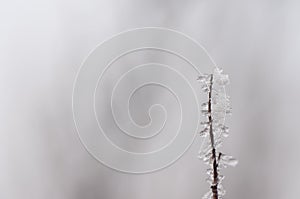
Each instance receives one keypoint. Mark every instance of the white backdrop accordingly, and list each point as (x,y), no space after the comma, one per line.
(42,44)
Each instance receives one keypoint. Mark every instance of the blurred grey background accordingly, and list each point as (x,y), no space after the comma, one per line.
(42,44)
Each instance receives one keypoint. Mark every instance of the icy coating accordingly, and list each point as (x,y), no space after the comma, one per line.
(214,130)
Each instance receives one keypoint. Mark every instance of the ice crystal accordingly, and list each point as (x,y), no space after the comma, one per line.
(214,130)
(204,78)
(227,160)
(208,195)
(220,78)
(204,132)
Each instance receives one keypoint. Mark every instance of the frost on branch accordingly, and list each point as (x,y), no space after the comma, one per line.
(214,130)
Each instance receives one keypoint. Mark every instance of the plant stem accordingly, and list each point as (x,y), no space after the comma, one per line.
(214,186)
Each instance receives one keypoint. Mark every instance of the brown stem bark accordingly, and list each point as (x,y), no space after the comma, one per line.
(214,186)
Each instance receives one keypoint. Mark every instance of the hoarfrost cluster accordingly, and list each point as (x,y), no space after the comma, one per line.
(214,130)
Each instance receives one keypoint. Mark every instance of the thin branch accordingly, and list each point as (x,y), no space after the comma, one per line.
(214,186)
(213,109)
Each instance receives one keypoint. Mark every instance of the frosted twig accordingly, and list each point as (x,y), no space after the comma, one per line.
(215,110)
